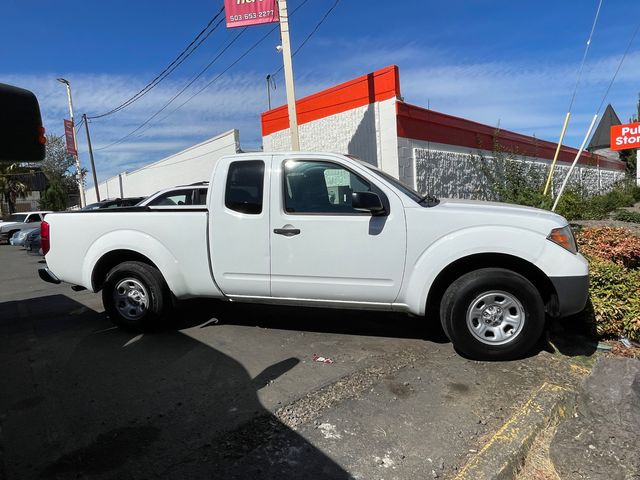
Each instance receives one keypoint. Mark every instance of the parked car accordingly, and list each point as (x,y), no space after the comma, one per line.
(327,230)
(181,196)
(114,203)
(20,221)
(32,242)
(19,238)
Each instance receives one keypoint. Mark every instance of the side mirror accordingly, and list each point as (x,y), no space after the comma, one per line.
(21,132)
(367,202)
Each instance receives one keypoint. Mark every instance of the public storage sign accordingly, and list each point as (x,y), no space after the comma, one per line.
(244,13)
(625,136)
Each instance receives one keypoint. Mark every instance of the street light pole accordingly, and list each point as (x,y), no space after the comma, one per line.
(83,201)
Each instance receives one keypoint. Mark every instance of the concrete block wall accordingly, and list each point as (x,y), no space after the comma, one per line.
(368,132)
(451,174)
(194,164)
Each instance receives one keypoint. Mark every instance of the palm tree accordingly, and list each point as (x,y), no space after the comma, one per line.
(11,188)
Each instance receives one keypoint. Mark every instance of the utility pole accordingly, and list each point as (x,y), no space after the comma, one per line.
(288,74)
(93,165)
(269,90)
(83,201)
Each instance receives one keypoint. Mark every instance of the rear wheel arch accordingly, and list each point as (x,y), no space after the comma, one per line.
(112,259)
(464,265)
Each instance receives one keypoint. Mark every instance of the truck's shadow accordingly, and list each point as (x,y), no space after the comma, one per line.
(83,400)
(348,322)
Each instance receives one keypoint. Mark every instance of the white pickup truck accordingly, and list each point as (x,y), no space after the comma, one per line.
(328,230)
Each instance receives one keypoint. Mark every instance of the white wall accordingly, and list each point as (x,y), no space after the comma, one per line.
(191,165)
(368,132)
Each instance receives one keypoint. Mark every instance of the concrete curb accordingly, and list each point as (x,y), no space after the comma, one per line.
(504,453)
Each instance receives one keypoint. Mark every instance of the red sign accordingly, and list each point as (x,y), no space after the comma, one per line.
(244,13)
(70,137)
(625,136)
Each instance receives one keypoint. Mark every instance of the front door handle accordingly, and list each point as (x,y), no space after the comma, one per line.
(287,232)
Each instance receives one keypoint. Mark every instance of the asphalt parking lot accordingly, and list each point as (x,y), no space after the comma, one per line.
(233,391)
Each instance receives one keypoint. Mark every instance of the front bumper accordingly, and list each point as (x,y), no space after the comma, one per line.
(572,292)
(48,276)
(4,236)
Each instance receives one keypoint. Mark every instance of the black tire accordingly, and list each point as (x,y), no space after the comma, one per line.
(11,234)
(472,314)
(136,297)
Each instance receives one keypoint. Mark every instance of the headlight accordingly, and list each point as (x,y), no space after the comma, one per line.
(564,237)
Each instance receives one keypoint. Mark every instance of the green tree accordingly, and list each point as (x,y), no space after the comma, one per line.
(59,166)
(54,198)
(629,157)
(11,188)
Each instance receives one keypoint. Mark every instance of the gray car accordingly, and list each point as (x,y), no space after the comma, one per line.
(19,238)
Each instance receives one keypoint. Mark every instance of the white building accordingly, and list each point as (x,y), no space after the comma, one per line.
(191,165)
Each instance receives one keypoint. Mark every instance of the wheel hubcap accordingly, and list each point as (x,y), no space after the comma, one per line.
(495,318)
(131,298)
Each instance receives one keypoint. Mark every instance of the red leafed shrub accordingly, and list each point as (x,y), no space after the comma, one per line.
(618,245)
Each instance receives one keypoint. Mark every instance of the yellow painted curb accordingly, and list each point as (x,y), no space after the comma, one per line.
(501,456)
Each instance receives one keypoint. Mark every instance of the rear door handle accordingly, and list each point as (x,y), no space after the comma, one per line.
(287,232)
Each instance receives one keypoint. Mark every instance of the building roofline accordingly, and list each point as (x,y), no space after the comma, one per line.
(428,125)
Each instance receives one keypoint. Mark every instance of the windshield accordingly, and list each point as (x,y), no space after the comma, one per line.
(409,192)
(17,218)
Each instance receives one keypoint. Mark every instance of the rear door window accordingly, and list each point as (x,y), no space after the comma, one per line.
(244,188)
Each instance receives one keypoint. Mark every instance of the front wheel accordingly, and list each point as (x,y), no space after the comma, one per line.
(492,313)
(136,297)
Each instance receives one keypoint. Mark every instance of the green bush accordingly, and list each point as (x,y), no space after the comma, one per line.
(572,206)
(614,268)
(522,183)
(627,216)
(614,296)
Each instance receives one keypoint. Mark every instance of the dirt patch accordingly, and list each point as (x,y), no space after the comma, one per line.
(538,465)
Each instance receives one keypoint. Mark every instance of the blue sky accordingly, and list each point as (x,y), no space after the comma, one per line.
(489,61)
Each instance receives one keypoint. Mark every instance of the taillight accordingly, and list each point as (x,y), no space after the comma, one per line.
(41,136)
(44,238)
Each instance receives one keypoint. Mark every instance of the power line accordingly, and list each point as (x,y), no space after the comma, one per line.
(186,53)
(79,125)
(304,42)
(584,57)
(249,50)
(613,79)
(176,95)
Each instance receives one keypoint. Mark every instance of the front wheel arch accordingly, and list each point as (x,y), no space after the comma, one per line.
(470,263)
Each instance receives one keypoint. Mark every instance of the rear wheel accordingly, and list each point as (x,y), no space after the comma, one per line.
(492,313)
(136,297)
